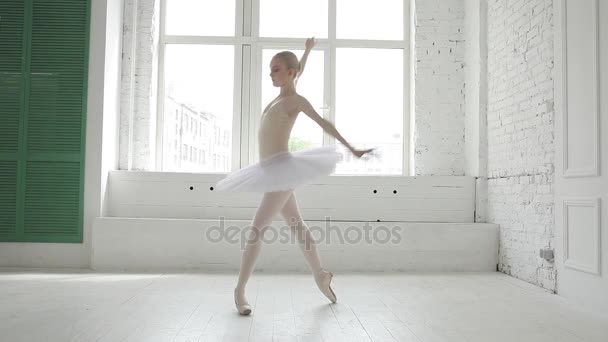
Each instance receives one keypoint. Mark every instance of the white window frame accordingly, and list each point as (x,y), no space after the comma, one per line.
(248,46)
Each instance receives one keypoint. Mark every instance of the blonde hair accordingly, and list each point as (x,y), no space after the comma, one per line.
(290,59)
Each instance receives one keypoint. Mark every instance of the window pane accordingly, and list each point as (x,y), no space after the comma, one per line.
(369,108)
(200,17)
(293,18)
(305,132)
(367,19)
(199,86)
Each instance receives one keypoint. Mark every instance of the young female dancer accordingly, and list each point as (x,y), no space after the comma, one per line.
(279,171)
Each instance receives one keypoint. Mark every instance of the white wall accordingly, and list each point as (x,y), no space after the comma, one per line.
(439,87)
(213,245)
(138,84)
(111,105)
(473,75)
(106,22)
(521,149)
(476,96)
(364,198)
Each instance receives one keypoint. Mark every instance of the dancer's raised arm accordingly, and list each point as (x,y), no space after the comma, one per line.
(328,126)
(310,43)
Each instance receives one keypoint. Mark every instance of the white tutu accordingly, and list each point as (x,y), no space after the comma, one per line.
(282,171)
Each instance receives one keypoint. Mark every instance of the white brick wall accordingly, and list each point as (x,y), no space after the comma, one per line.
(521,148)
(439,87)
(138,101)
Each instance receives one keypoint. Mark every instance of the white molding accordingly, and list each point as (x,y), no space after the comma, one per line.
(593,202)
(592,171)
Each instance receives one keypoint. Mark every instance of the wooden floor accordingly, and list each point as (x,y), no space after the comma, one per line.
(55,305)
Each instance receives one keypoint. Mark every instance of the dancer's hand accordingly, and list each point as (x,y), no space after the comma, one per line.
(360,153)
(310,43)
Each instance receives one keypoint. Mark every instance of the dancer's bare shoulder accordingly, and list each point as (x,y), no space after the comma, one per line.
(306,107)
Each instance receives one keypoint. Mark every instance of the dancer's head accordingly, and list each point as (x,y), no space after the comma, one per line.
(284,68)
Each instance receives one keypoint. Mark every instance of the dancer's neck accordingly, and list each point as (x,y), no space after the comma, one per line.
(287,91)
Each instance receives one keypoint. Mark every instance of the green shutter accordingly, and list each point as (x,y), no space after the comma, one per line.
(50,131)
(12,60)
(8,198)
(52,201)
(58,66)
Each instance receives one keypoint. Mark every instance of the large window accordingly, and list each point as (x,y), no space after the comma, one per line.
(214,83)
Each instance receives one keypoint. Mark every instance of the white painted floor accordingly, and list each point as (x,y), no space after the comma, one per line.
(74,305)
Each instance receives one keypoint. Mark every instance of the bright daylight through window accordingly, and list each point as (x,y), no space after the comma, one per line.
(354,77)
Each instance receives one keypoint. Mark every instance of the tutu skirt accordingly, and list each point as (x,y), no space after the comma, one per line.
(282,171)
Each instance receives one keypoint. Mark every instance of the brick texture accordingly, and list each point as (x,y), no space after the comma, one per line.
(439,87)
(521,149)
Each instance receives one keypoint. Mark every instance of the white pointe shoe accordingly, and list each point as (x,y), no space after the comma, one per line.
(243,309)
(323,280)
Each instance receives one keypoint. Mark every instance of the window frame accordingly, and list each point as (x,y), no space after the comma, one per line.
(248,47)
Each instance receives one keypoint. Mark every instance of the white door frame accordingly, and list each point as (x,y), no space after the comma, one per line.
(581,182)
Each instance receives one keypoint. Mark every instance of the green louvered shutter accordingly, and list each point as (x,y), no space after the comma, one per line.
(51,140)
(12,61)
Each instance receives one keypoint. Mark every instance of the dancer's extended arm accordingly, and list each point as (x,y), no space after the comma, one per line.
(328,126)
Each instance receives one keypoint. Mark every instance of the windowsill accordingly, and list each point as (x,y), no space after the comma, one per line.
(353,198)
(218,174)
(359,180)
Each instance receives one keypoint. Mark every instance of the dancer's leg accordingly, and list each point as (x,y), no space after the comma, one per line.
(271,204)
(291,215)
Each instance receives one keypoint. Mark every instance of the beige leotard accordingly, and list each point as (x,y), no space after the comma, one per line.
(275,128)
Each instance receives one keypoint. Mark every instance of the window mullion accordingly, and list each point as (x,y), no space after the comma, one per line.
(327,100)
(408,72)
(160,86)
(254,17)
(242,85)
(241,118)
(255,100)
(241,20)
(249,80)
(370,43)
(331,70)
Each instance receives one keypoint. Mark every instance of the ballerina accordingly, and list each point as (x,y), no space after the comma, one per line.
(279,172)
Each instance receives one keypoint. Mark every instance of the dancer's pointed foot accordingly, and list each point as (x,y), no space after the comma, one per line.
(242,306)
(323,280)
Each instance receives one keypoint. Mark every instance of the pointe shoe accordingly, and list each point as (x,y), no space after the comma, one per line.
(323,280)
(243,309)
